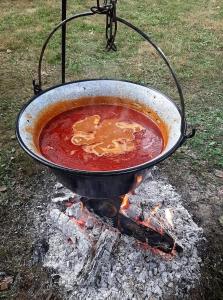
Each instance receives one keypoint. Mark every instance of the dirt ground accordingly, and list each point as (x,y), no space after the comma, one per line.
(20,233)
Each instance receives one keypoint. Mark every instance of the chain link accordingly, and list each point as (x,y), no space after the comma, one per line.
(109,9)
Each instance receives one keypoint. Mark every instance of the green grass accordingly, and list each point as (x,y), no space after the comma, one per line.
(189,32)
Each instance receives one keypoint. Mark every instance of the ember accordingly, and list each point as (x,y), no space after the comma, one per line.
(149,231)
(128,219)
(91,253)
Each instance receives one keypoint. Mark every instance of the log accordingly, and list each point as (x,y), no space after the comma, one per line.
(162,241)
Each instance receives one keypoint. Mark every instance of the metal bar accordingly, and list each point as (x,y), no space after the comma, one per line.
(63,40)
(144,35)
(49,37)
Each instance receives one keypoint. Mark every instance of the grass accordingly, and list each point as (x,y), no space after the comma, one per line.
(189,32)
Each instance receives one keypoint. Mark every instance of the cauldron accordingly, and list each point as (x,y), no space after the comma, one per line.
(102,184)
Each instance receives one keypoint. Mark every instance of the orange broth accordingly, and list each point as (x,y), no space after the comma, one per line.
(101,137)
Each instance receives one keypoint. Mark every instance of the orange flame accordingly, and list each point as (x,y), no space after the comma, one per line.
(138,180)
(125,202)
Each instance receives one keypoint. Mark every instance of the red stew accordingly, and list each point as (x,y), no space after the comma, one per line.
(100,137)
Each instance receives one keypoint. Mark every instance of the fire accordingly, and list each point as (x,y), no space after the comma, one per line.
(169,217)
(125,202)
(138,180)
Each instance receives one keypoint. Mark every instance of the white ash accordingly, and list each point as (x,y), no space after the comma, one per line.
(99,263)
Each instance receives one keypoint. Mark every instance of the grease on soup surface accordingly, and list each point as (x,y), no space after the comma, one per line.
(105,138)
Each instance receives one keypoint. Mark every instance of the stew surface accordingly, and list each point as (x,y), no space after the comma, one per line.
(100,137)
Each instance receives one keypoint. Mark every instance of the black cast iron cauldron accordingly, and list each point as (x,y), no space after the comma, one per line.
(103,184)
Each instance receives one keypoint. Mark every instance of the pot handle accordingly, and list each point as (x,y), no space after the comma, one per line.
(38,86)
(185,135)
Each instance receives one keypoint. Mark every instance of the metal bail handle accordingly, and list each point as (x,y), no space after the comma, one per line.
(110,34)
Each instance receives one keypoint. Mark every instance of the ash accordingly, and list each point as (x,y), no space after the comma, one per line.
(95,261)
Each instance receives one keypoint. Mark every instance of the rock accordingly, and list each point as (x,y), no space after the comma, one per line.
(2,274)
(13,137)
(3,189)
(5,283)
(58,186)
(221,220)
(218,173)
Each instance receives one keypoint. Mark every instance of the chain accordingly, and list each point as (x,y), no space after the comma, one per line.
(109,9)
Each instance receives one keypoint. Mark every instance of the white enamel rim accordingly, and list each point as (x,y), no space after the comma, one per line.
(157,101)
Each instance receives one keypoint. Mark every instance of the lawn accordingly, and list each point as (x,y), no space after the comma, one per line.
(190,34)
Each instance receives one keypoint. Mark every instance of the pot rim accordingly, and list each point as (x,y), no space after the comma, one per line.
(134,169)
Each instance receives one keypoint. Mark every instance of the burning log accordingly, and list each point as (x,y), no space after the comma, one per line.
(154,237)
(162,241)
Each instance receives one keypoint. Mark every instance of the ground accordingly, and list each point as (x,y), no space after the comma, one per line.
(190,33)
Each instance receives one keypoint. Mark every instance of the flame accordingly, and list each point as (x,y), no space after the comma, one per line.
(138,180)
(169,217)
(125,202)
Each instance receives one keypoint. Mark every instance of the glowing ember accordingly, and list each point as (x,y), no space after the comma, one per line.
(125,203)
(145,247)
(169,217)
(80,222)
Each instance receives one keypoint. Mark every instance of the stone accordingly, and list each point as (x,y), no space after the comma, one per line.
(221,220)
(5,283)
(3,188)
(218,173)
(58,186)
